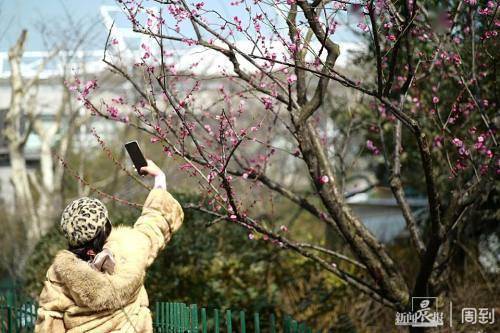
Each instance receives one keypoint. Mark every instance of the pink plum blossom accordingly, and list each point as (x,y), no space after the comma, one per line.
(457,142)
(363,27)
(113,112)
(371,147)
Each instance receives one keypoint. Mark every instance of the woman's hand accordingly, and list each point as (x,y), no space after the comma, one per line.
(152,169)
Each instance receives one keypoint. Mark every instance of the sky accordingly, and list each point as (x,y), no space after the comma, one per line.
(16,15)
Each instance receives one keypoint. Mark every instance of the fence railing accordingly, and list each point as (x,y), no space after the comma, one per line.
(19,316)
(178,317)
(18,319)
(17,312)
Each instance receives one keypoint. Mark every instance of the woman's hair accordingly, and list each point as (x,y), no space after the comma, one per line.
(96,244)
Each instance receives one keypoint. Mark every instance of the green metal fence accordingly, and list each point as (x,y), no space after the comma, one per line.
(18,319)
(18,315)
(178,317)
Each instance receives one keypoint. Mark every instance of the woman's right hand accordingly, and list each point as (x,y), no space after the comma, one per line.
(152,169)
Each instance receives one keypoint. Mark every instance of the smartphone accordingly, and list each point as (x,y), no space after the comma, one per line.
(137,156)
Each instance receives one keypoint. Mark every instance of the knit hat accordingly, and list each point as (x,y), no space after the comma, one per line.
(82,219)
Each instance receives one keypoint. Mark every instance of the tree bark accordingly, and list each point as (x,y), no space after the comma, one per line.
(16,137)
(367,248)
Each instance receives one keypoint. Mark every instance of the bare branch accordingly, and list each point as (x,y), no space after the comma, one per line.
(397,189)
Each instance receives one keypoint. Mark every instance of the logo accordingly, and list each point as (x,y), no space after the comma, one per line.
(423,313)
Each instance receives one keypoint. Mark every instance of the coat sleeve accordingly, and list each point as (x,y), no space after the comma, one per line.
(161,216)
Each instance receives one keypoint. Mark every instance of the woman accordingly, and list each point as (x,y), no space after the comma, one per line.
(98,284)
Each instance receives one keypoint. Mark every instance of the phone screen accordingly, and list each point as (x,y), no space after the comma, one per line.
(137,156)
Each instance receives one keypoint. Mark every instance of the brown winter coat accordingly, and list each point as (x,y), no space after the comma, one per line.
(77,298)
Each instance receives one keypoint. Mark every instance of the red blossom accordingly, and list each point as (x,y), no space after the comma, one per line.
(113,112)
(457,142)
(371,147)
(363,27)
(88,87)
(268,103)
(291,79)
(324,179)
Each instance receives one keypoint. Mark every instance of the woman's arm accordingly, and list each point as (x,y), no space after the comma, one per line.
(161,216)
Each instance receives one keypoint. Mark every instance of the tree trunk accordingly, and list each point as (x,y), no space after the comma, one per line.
(367,248)
(24,203)
(16,137)
(37,210)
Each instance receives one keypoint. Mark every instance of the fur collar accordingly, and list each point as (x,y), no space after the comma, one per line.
(100,291)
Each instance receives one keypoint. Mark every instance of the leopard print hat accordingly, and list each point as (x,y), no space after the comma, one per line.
(82,219)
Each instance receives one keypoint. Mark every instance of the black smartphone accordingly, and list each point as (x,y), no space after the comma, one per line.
(137,156)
